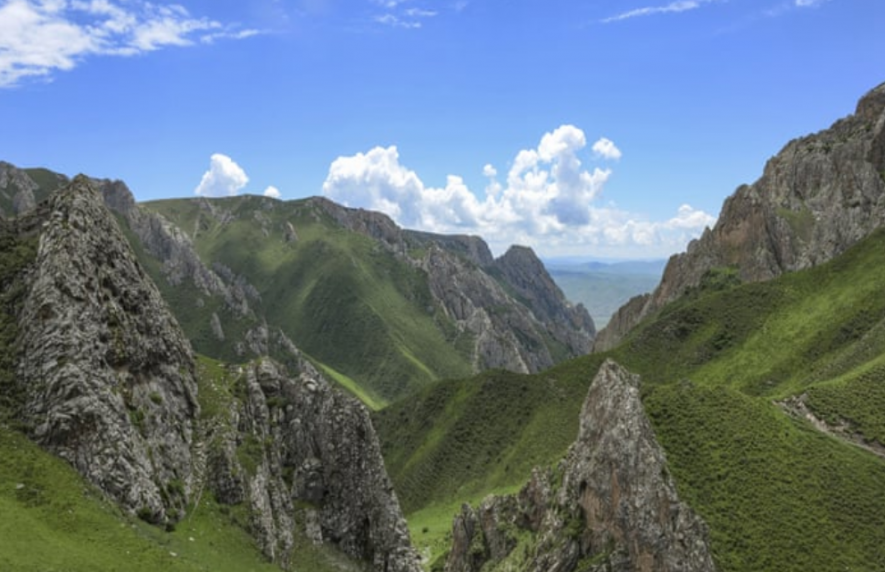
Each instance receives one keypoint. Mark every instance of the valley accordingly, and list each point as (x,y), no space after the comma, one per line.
(252,384)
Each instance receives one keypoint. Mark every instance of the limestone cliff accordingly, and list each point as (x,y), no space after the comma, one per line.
(821,194)
(103,376)
(305,459)
(518,317)
(106,374)
(610,505)
(20,191)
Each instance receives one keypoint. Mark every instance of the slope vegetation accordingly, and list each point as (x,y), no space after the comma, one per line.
(383,310)
(346,302)
(720,368)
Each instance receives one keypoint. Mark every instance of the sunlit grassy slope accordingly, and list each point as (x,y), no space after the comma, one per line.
(345,301)
(777,493)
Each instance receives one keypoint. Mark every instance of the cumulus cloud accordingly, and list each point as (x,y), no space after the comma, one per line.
(547,201)
(606,149)
(223,179)
(272,192)
(39,37)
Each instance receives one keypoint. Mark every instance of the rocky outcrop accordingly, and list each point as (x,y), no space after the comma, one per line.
(525,273)
(510,331)
(16,190)
(610,505)
(106,373)
(104,378)
(821,194)
(20,192)
(517,316)
(304,458)
(173,248)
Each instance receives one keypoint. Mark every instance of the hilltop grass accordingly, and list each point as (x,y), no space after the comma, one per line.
(776,493)
(351,305)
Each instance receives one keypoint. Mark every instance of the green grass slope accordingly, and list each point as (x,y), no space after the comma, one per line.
(460,440)
(778,493)
(349,304)
(53,520)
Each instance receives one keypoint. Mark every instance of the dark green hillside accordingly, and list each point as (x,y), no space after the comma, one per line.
(347,303)
(467,437)
(778,493)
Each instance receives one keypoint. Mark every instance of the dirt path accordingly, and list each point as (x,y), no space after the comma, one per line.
(796,407)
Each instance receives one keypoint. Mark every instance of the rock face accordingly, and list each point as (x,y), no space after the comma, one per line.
(107,375)
(821,194)
(104,378)
(610,505)
(19,192)
(174,249)
(510,305)
(302,455)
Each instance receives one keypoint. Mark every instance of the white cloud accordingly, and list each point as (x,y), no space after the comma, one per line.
(673,7)
(606,149)
(547,201)
(809,3)
(223,179)
(420,13)
(396,22)
(395,15)
(40,37)
(272,192)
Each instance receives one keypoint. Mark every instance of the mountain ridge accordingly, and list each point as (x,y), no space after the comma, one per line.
(819,195)
(105,378)
(393,288)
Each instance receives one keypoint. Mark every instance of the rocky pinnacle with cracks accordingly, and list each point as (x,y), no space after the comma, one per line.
(611,504)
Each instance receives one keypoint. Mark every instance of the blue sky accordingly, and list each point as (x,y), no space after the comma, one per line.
(603,128)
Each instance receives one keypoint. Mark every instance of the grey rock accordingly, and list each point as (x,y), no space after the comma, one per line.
(17,188)
(510,307)
(107,372)
(611,503)
(302,454)
(820,195)
(107,383)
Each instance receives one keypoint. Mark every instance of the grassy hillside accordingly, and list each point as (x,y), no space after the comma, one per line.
(777,493)
(349,304)
(53,520)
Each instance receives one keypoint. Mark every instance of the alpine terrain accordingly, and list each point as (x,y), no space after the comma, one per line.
(251,384)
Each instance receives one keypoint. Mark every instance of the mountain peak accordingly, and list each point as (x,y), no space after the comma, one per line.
(872,105)
(818,196)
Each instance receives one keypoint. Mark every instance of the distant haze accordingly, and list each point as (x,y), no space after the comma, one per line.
(604,286)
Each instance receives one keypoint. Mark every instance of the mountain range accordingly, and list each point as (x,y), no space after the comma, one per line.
(182,380)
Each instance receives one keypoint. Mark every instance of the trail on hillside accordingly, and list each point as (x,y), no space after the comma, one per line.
(796,407)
